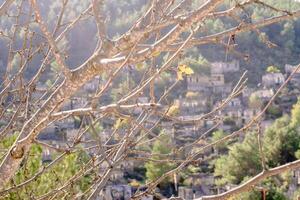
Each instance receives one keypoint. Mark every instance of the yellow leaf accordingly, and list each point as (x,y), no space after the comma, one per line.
(181,68)
(189,71)
(185,69)
(173,110)
(156,53)
(121,123)
(179,75)
(139,66)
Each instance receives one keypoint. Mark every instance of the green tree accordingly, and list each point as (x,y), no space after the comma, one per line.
(281,141)
(242,160)
(217,135)
(281,144)
(50,179)
(161,147)
(296,114)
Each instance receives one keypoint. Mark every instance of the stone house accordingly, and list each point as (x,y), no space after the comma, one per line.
(214,84)
(295,81)
(217,79)
(196,105)
(116,192)
(225,67)
(218,85)
(185,134)
(198,83)
(186,193)
(271,80)
(202,184)
(119,192)
(290,68)
(224,90)
(235,114)
(192,106)
(233,110)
